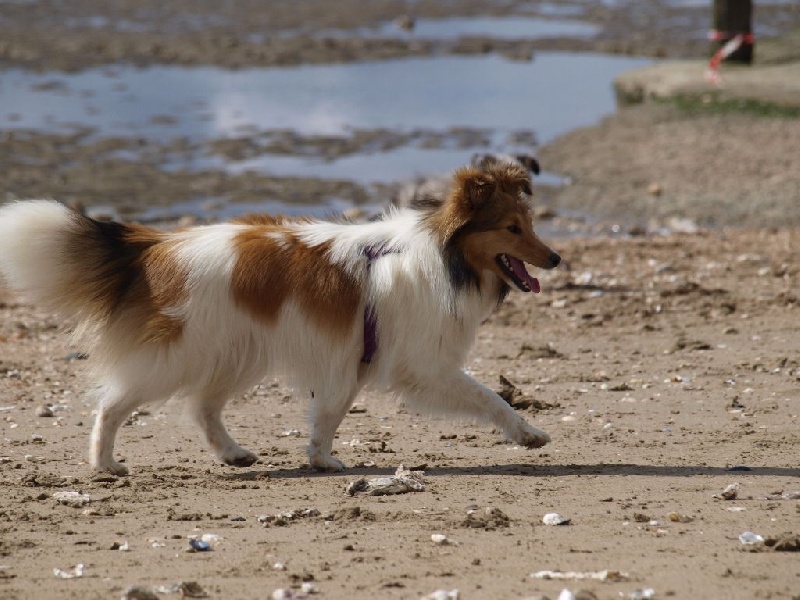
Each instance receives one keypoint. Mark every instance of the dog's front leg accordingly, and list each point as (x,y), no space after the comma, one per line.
(462,394)
(327,411)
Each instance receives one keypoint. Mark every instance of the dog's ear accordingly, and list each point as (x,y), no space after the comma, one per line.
(529,162)
(483,161)
(478,190)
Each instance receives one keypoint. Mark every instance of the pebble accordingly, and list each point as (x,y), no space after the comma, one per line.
(139,592)
(784,496)
(284,518)
(77,571)
(680,518)
(198,546)
(442,595)
(642,594)
(441,540)
(403,481)
(71,498)
(729,493)
(555,519)
(44,411)
(748,538)
(604,575)
(308,588)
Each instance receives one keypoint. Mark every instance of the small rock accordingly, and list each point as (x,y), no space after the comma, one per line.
(44,411)
(441,540)
(680,518)
(555,519)
(642,594)
(403,481)
(788,542)
(191,589)
(729,493)
(139,592)
(198,546)
(749,538)
(77,571)
(308,588)
(604,575)
(72,499)
(442,595)
(784,496)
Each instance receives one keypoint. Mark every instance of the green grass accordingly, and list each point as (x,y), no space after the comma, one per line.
(714,104)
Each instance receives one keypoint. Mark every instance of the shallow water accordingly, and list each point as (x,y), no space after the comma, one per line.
(552,94)
(512,27)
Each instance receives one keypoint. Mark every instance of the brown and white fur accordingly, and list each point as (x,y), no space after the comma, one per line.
(205,313)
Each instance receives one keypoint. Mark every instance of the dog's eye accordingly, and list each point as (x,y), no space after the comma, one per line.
(514,229)
(526,189)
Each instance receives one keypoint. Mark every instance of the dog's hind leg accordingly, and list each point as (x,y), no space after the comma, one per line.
(327,411)
(207,412)
(462,394)
(115,406)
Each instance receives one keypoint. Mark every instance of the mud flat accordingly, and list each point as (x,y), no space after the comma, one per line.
(664,366)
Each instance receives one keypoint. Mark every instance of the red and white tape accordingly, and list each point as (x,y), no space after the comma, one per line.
(728,48)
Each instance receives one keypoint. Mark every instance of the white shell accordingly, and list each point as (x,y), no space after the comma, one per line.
(555,519)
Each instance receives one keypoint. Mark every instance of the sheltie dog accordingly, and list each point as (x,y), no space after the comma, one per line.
(206,312)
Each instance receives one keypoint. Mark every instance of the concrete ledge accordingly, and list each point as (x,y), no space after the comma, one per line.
(773,84)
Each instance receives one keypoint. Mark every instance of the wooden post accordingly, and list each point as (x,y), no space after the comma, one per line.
(732,18)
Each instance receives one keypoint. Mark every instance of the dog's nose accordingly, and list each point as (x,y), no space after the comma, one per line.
(554,259)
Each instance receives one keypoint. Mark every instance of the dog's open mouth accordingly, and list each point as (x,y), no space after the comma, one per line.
(514,268)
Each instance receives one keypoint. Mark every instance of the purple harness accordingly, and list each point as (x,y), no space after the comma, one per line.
(370,317)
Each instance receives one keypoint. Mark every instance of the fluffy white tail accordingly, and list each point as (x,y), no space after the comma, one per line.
(78,266)
(33,239)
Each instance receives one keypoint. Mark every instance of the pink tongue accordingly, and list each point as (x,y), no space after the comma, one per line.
(519,270)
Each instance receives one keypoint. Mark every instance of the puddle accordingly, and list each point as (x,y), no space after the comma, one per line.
(552,94)
(399,164)
(168,116)
(451,28)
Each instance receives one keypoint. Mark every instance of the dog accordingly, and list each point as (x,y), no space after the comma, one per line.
(205,313)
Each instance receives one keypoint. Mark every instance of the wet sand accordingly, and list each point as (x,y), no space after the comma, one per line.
(663,366)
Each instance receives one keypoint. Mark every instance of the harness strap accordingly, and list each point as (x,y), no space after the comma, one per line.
(370,316)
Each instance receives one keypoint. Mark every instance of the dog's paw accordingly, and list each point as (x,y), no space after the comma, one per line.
(113,467)
(326,463)
(530,437)
(239,457)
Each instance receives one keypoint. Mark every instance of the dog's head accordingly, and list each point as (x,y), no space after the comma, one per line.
(487,226)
